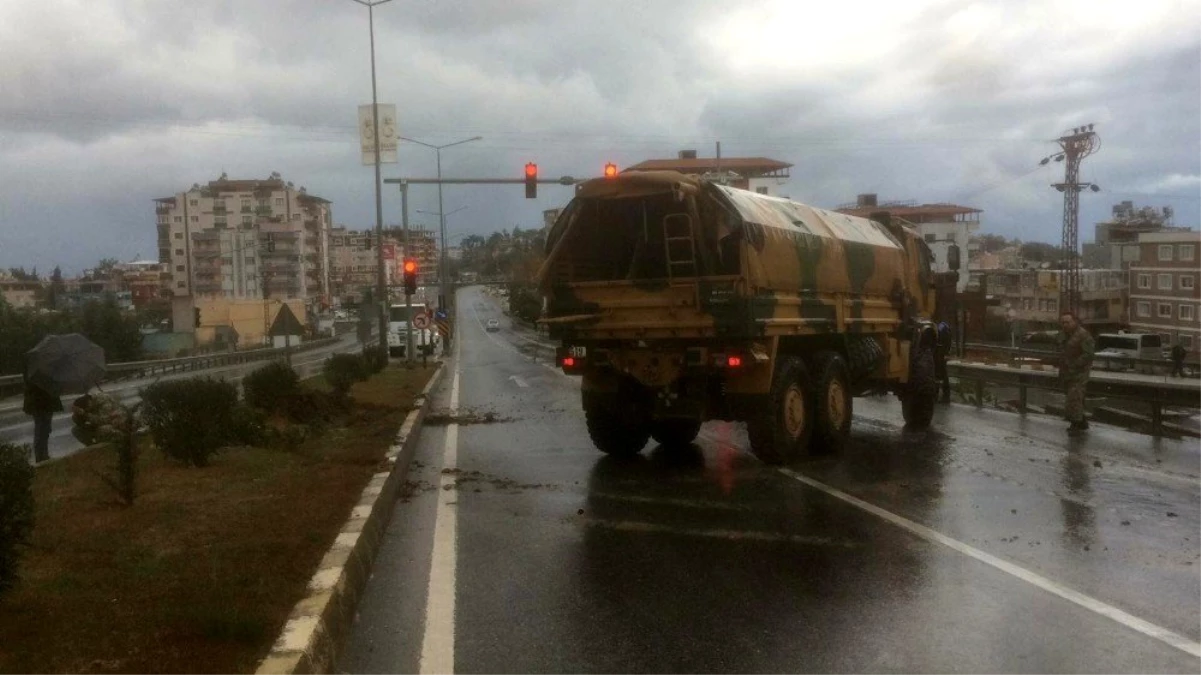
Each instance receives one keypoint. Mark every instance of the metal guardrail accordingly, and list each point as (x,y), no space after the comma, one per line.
(1051,357)
(11,385)
(1157,395)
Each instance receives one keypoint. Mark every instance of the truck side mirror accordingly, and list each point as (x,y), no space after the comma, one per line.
(953,257)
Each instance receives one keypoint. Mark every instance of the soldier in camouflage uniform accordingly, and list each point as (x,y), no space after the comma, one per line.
(1077,353)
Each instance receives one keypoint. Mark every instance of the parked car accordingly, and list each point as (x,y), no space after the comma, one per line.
(493,326)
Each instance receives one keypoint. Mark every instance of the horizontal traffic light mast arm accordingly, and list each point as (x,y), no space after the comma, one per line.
(565,180)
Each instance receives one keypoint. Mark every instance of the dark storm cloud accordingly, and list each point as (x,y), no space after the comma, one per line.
(109,104)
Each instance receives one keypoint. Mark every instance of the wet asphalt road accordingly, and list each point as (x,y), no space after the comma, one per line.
(992,543)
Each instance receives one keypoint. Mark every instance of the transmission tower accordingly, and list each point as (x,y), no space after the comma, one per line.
(1081,143)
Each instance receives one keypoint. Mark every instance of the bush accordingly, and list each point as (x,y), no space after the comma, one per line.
(313,408)
(190,419)
(101,418)
(248,426)
(268,387)
(374,361)
(342,371)
(16,509)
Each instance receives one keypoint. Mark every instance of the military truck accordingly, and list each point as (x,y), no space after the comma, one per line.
(679,300)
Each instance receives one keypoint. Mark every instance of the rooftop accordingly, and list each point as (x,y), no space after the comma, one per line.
(749,166)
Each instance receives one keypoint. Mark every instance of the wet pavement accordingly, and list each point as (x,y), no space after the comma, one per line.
(991,543)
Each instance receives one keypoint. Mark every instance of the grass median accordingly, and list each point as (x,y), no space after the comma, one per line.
(199,575)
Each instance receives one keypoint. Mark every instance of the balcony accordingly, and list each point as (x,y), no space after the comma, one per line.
(262,210)
(163,209)
(219,211)
(246,209)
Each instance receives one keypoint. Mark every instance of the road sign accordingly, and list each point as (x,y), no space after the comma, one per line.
(440,314)
(421,321)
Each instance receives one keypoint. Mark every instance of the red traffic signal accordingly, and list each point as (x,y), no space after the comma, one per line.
(410,276)
(531,180)
(610,170)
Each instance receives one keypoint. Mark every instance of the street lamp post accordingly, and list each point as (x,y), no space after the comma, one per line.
(381,282)
(442,269)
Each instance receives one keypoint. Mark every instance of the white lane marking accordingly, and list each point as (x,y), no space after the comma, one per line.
(1092,604)
(520,382)
(438,643)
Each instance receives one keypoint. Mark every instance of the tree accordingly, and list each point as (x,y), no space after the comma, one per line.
(55,290)
(104,268)
(105,324)
(991,243)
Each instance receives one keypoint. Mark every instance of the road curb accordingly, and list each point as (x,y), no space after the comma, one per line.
(318,625)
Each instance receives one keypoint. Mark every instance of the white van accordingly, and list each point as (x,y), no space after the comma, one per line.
(1118,351)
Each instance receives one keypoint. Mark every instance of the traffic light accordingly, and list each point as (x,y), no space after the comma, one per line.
(196,316)
(410,276)
(610,170)
(531,180)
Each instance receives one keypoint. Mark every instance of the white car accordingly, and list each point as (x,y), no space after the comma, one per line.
(492,326)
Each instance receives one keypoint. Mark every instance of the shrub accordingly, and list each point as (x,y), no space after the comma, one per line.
(103,419)
(342,371)
(313,408)
(266,388)
(16,509)
(374,361)
(248,426)
(190,419)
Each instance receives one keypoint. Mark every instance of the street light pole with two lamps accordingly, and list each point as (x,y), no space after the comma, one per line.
(441,216)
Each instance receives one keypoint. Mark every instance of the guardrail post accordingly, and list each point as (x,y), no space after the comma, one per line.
(1156,418)
(1022,392)
(979,393)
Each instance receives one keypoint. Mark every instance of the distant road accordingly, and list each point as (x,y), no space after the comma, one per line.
(17,427)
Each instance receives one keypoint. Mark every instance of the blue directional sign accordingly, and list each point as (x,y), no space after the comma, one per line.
(440,314)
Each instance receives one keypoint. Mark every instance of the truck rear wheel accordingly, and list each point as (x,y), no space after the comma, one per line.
(833,402)
(921,394)
(780,433)
(675,432)
(616,426)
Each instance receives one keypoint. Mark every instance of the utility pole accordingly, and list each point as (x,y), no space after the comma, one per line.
(1081,143)
(379,204)
(404,221)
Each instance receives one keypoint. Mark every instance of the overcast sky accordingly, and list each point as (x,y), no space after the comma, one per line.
(107,104)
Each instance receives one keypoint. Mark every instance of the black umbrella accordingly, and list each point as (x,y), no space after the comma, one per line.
(65,364)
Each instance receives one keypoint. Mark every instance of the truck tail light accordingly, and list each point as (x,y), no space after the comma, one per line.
(734,361)
(569,362)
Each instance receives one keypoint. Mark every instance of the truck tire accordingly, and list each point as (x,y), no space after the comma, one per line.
(917,405)
(780,433)
(832,402)
(616,426)
(675,432)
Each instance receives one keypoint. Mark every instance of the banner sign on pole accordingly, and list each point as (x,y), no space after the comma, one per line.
(387,138)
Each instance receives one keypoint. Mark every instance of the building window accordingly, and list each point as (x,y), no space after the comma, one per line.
(1166,338)
(1165,251)
(179,235)
(1187,282)
(179,268)
(1165,310)
(1144,309)
(1144,281)
(1165,282)
(930,238)
(245,220)
(295,216)
(1186,341)
(193,202)
(195,219)
(1053,305)
(1027,303)
(1186,251)
(179,251)
(180,284)
(179,219)
(1186,312)
(279,201)
(761,190)
(245,202)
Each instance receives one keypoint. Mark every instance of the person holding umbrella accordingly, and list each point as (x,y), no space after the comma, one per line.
(41,405)
(59,364)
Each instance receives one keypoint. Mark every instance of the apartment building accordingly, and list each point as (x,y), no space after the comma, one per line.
(941,225)
(244,239)
(19,293)
(1115,241)
(1164,295)
(423,245)
(1030,298)
(757,174)
(354,263)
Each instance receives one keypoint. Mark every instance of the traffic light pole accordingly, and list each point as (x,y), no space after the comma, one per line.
(404,220)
